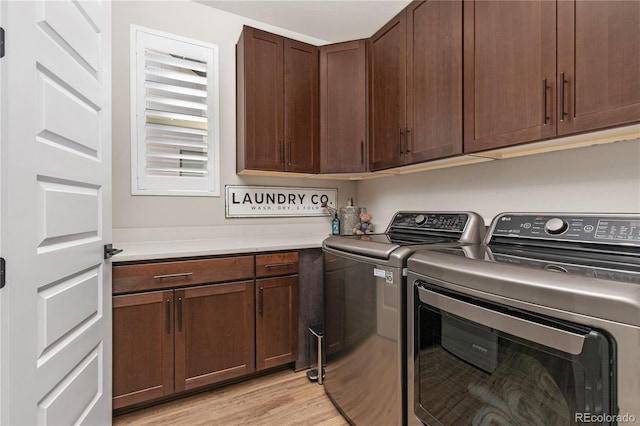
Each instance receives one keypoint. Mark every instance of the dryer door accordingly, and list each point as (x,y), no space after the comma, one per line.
(478,362)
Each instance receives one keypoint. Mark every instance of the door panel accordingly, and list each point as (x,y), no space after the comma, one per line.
(599,54)
(143,336)
(387,89)
(301,107)
(276,321)
(434,80)
(509,51)
(56,153)
(264,109)
(214,334)
(343,104)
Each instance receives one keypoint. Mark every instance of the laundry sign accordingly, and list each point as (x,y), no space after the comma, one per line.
(277,201)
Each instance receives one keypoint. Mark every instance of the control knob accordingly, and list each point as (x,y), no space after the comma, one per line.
(421,219)
(555,226)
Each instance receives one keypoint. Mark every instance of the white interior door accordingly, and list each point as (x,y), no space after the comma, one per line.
(55,215)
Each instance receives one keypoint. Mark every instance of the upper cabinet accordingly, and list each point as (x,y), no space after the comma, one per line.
(415,66)
(387,92)
(301,123)
(516,91)
(434,80)
(517,71)
(277,102)
(343,107)
(509,72)
(599,58)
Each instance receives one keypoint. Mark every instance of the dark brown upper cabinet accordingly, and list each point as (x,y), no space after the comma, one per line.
(510,73)
(277,102)
(515,89)
(387,94)
(599,58)
(343,107)
(415,83)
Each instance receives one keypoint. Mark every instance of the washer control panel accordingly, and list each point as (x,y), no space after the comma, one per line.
(416,221)
(608,229)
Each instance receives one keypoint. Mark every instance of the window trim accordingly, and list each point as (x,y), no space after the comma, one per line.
(137,142)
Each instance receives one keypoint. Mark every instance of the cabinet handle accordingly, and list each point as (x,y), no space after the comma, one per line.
(180,314)
(407,131)
(289,152)
(168,316)
(400,140)
(362,152)
(278,265)
(183,274)
(545,117)
(261,301)
(282,151)
(562,83)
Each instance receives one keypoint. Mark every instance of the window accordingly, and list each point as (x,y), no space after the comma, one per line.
(174,115)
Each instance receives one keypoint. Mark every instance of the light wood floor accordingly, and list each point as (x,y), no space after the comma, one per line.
(282,398)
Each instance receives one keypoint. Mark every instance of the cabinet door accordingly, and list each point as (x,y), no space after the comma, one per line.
(434,80)
(387,89)
(509,72)
(142,347)
(260,101)
(214,334)
(599,56)
(343,106)
(301,107)
(276,321)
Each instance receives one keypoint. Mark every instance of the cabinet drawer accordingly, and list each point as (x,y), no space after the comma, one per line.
(151,276)
(269,265)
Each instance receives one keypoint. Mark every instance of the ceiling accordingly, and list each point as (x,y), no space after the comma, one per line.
(328,20)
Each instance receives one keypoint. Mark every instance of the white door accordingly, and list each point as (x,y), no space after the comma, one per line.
(55,213)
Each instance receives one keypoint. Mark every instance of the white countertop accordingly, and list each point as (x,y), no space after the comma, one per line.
(153,244)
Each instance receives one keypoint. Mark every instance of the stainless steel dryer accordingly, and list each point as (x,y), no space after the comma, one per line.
(365,310)
(541,325)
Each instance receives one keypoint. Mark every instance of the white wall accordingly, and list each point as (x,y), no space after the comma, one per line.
(603,178)
(193,20)
(599,178)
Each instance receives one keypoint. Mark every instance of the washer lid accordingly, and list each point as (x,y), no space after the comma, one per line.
(378,246)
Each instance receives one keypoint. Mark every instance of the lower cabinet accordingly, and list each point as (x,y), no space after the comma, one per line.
(142,347)
(277,310)
(170,341)
(276,321)
(184,338)
(213,334)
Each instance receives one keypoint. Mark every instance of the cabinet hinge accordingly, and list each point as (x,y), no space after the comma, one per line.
(3,279)
(1,42)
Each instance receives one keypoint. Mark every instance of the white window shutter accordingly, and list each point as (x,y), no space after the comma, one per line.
(175,124)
